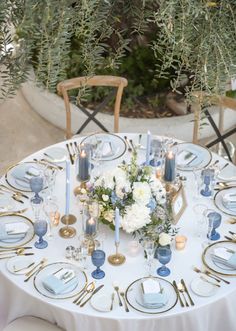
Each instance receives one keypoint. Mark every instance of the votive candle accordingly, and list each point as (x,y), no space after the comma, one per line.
(169,174)
(67,188)
(148,148)
(117,225)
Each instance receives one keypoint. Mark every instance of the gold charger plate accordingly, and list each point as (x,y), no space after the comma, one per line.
(13,218)
(49,269)
(11,181)
(216,267)
(134,290)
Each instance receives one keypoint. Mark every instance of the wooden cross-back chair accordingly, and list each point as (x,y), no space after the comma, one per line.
(222,102)
(80,82)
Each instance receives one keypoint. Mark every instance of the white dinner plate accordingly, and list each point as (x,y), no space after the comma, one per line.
(133,294)
(102,300)
(218,199)
(14,218)
(7,204)
(18,184)
(202,288)
(215,266)
(19,262)
(52,268)
(228,173)
(200,156)
(56,154)
(107,146)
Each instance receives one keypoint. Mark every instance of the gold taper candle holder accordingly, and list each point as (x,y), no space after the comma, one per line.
(68,231)
(117,258)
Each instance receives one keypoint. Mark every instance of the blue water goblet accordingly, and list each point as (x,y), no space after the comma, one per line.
(36,185)
(214,220)
(40,229)
(98,259)
(164,256)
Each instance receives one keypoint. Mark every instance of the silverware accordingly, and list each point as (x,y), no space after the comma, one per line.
(24,268)
(9,256)
(205,273)
(15,212)
(70,155)
(88,290)
(182,290)
(128,144)
(3,188)
(52,165)
(208,281)
(216,276)
(132,145)
(125,303)
(94,292)
(77,147)
(186,290)
(44,260)
(14,249)
(226,165)
(118,295)
(35,272)
(16,198)
(215,163)
(112,300)
(230,239)
(178,294)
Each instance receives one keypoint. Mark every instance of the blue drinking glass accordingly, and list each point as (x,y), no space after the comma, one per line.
(40,229)
(214,220)
(98,259)
(164,256)
(36,185)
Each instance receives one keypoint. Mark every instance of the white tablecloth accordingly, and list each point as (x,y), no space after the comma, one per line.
(217,312)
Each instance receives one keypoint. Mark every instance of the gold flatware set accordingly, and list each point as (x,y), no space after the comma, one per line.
(183,293)
(35,269)
(217,278)
(86,294)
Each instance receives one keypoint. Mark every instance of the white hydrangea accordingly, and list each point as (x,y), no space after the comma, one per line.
(141,192)
(136,217)
(122,183)
(106,181)
(158,190)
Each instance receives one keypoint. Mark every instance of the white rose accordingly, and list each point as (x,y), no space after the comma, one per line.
(105,197)
(164,239)
(141,192)
(136,216)
(108,215)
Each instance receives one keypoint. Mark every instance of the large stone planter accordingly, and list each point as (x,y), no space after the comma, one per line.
(51,107)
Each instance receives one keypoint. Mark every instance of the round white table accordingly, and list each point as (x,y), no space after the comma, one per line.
(18,298)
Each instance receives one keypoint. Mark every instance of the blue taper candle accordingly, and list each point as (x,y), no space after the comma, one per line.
(148,148)
(67,211)
(169,175)
(117,225)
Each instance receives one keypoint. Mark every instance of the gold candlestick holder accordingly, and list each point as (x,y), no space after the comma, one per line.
(117,258)
(68,231)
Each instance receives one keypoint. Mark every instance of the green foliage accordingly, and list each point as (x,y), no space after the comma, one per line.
(154,43)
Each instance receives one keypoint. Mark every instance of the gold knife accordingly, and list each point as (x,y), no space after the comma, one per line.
(95,291)
(71,158)
(178,295)
(186,290)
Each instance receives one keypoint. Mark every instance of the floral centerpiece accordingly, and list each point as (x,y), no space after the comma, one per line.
(140,197)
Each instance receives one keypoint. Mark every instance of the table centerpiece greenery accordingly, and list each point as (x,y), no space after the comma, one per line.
(140,197)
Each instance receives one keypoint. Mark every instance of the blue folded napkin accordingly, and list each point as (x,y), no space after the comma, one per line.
(152,295)
(57,284)
(24,172)
(154,300)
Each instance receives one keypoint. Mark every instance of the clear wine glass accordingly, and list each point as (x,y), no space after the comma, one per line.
(50,178)
(40,229)
(98,259)
(164,256)
(53,216)
(149,247)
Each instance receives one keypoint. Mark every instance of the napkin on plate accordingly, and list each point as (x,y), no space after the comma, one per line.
(152,294)
(24,172)
(13,231)
(225,257)
(106,148)
(185,157)
(229,200)
(61,281)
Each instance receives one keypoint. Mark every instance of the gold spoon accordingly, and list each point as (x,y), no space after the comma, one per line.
(181,290)
(88,290)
